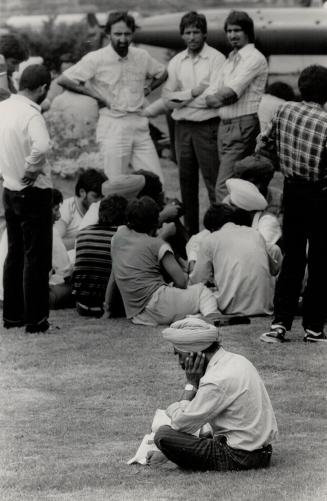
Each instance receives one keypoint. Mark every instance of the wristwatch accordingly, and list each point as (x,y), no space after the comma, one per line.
(190,387)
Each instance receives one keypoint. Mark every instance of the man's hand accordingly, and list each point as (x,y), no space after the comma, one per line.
(30,177)
(213,101)
(155,458)
(169,212)
(199,89)
(194,368)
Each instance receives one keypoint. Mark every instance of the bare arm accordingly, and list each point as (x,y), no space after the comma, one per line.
(80,88)
(174,270)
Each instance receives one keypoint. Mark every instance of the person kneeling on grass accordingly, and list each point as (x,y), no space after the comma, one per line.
(140,261)
(225,390)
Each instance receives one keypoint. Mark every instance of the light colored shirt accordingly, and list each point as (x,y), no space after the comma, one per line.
(233,399)
(24,142)
(268,107)
(91,216)
(185,73)
(120,80)
(71,216)
(237,258)
(136,264)
(245,71)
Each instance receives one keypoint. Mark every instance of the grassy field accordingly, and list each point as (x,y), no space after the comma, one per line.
(77,401)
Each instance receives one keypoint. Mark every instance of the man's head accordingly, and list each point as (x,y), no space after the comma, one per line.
(35,82)
(256,169)
(152,186)
(239,29)
(112,211)
(193,29)
(14,51)
(88,187)
(120,28)
(282,90)
(142,215)
(57,199)
(313,84)
(192,335)
(217,215)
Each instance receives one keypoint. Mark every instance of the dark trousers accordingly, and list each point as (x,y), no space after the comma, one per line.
(28,216)
(305,242)
(236,140)
(196,149)
(192,453)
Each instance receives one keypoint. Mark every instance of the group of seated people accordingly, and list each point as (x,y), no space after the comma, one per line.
(120,246)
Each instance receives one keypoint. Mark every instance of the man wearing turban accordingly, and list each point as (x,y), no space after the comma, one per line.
(223,390)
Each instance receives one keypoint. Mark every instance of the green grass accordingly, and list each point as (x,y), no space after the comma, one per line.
(76,402)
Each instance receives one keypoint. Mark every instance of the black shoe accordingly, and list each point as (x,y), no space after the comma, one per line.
(314,337)
(11,324)
(39,327)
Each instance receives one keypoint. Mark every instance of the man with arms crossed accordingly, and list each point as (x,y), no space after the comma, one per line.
(116,77)
(223,390)
(242,83)
(193,74)
(24,141)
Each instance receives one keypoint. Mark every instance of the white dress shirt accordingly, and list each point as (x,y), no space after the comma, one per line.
(185,73)
(233,399)
(24,142)
(120,80)
(245,71)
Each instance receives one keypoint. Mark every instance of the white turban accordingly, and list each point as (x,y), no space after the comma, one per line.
(191,334)
(245,195)
(125,185)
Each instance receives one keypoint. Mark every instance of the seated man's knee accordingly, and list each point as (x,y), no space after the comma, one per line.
(161,435)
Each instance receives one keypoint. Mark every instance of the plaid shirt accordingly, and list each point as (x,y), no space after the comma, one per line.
(299,132)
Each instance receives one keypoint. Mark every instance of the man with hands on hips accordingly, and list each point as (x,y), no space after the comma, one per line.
(224,390)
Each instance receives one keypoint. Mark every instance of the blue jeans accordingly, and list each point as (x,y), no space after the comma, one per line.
(28,216)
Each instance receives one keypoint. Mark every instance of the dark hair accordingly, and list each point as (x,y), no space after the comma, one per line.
(90,180)
(281,90)
(152,187)
(217,215)
(57,197)
(242,19)
(112,210)
(193,19)
(13,46)
(116,17)
(313,84)
(34,76)
(212,348)
(142,215)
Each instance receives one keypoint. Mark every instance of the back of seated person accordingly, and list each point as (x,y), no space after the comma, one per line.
(93,257)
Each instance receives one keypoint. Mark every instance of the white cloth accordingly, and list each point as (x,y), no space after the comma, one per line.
(91,216)
(24,142)
(185,73)
(62,266)
(125,141)
(245,72)
(191,334)
(194,243)
(233,399)
(245,195)
(268,106)
(120,80)
(237,258)
(71,216)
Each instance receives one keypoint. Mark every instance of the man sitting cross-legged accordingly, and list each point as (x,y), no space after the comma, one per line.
(139,263)
(223,390)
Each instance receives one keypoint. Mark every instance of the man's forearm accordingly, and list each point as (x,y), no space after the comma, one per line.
(223,97)
(80,88)
(156,82)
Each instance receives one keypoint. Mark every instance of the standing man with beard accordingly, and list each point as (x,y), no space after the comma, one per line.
(193,74)
(118,76)
(242,83)
(24,141)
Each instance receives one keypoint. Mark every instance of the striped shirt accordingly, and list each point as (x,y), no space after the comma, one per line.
(299,131)
(93,264)
(245,71)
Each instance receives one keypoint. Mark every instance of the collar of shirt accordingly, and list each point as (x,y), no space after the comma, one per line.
(114,56)
(216,357)
(312,104)
(241,52)
(26,100)
(203,54)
